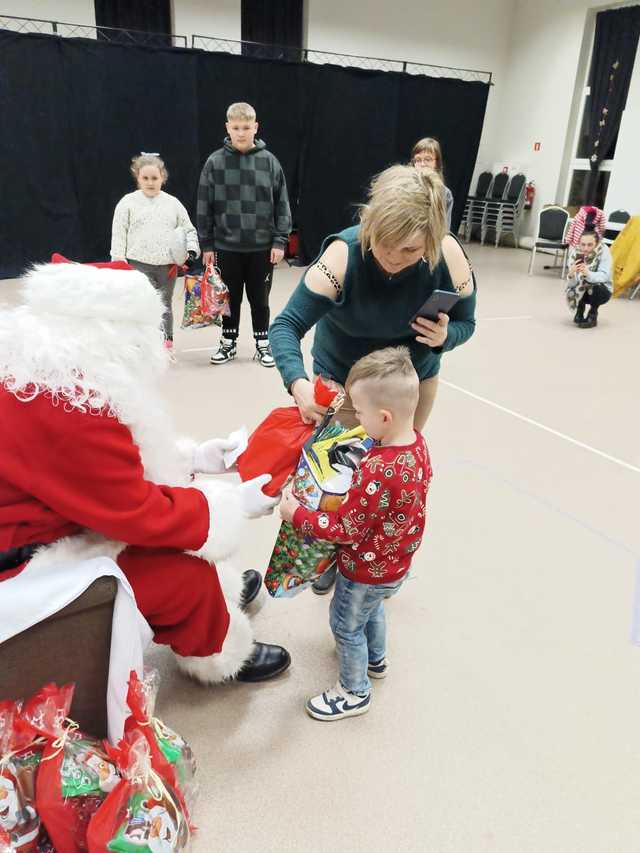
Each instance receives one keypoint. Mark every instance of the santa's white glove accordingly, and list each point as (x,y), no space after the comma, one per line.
(253,500)
(208,457)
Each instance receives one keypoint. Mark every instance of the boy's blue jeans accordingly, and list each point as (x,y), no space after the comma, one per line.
(357,620)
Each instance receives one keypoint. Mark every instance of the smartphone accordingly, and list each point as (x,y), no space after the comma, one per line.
(439,301)
(579,259)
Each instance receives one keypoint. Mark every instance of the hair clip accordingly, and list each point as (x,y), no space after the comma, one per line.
(150,153)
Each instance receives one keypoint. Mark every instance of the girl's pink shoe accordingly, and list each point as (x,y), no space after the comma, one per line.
(168,344)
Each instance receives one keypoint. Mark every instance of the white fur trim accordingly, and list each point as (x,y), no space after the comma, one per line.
(231,582)
(75,290)
(236,650)
(226,520)
(84,546)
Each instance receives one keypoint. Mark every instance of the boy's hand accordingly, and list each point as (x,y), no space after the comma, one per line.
(276,255)
(288,505)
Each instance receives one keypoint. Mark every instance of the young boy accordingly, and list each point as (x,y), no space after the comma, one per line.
(378,527)
(244,219)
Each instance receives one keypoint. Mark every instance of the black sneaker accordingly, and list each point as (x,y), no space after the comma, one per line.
(591,320)
(226,352)
(263,355)
(379,669)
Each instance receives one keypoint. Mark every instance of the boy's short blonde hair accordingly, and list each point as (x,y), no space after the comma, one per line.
(401,202)
(389,379)
(241,112)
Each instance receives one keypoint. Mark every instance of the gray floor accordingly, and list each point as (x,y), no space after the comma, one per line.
(509,721)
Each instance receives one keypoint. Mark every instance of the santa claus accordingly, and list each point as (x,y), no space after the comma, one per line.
(90,466)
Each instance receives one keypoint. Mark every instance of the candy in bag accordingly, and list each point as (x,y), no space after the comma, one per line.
(75,774)
(143,813)
(19,760)
(171,755)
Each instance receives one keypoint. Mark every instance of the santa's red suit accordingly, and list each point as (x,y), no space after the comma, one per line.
(89,464)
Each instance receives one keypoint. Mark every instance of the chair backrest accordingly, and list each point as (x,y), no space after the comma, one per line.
(622,216)
(516,188)
(484,182)
(552,222)
(499,186)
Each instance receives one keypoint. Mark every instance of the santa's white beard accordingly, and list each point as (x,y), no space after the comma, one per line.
(96,366)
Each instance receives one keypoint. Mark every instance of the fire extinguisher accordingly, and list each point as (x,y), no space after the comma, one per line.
(529,194)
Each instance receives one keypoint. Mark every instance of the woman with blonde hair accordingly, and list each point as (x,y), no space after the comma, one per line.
(427,154)
(363,290)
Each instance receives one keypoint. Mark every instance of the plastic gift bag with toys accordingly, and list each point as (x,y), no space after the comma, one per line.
(20,754)
(321,481)
(74,775)
(206,299)
(143,814)
(171,755)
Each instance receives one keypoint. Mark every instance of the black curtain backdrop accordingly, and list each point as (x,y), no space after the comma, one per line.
(272,22)
(152,16)
(75,111)
(614,52)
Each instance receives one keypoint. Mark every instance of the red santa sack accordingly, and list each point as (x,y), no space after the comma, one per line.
(143,813)
(75,774)
(274,446)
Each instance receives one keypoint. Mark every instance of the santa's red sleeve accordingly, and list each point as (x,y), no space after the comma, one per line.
(87,469)
(346,525)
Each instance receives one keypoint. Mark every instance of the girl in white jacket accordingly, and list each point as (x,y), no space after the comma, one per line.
(152,231)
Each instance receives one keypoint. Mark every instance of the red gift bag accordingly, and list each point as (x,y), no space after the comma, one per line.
(274,446)
(19,759)
(143,813)
(171,756)
(74,775)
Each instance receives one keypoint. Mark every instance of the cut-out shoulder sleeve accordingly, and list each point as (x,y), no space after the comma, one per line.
(326,275)
(458,265)
(310,301)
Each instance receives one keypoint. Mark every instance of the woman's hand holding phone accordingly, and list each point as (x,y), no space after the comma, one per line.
(430,333)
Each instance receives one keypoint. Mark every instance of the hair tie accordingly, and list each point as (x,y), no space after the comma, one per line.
(149,153)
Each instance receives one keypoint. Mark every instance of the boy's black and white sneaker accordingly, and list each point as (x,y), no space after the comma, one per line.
(226,352)
(337,703)
(379,669)
(263,355)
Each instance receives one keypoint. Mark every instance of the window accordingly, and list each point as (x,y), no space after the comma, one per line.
(579,167)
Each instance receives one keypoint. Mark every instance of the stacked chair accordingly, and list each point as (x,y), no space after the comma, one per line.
(495,198)
(475,205)
(504,217)
(496,205)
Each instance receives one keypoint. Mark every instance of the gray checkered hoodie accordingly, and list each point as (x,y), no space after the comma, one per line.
(243,204)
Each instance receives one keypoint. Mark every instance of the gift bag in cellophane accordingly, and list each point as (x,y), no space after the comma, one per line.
(143,814)
(20,754)
(74,775)
(171,755)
